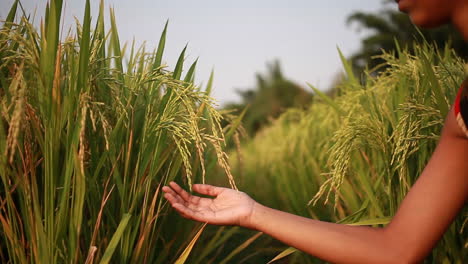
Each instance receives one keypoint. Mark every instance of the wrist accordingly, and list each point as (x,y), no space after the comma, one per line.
(253,220)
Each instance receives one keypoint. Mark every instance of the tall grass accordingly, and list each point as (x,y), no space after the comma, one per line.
(88,140)
(353,158)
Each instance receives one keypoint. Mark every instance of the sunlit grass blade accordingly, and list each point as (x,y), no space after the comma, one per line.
(209,85)
(180,64)
(283,254)
(161,46)
(372,222)
(215,242)
(241,247)
(326,99)
(9,19)
(353,81)
(434,85)
(115,45)
(191,73)
(183,257)
(235,124)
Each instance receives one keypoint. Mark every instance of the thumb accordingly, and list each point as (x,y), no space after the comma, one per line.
(208,189)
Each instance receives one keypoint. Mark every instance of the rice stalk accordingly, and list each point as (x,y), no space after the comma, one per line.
(76,128)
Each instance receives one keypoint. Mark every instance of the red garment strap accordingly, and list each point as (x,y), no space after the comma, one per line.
(461,107)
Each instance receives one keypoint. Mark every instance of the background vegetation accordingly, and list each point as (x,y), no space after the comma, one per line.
(352,158)
(390,29)
(272,96)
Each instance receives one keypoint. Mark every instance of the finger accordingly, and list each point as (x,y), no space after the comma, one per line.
(177,206)
(167,189)
(183,194)
(172,200)
(191,201)
(174,195)
(208,189)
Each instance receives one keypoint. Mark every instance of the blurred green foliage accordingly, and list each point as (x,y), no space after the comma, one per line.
(272,95)
(353,157)
(389,29)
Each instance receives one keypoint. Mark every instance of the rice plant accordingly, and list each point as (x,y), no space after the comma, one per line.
(88,140)
(353,158)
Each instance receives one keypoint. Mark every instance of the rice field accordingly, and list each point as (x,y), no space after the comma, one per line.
(352,158)
(92,128)
(88,140)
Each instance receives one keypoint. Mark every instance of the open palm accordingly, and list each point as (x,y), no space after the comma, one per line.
(228,207)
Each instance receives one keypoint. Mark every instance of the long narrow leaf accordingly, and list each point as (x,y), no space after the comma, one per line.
(190,74)
(183,257)
(115,239)
(241,247)
(283,254)
(160,51)
(180,64)
(327,99)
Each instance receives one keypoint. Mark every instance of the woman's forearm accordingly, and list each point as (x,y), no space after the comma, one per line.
(331,242)
(426,212)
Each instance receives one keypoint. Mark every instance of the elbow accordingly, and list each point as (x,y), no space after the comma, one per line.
(402,252)
(397,256)
(410,256)
(393,258)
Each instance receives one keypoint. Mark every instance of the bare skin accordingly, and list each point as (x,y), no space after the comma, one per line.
(426,212)
(433,13)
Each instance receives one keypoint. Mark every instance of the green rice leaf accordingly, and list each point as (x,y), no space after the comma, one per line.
(115,239)
(180,64)
(160,51)
(235,124)
(283,254)
(190,74)
(348,69)
(11,15)
(116,46)
(241,247)
(84,49)
(209,85)
(327,99)
(221,236)
(183,257)
(434,84)
(371,222)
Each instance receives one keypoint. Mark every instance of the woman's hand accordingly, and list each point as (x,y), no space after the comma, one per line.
(228,207)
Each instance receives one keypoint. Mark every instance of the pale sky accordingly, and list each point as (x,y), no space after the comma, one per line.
(236,38)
